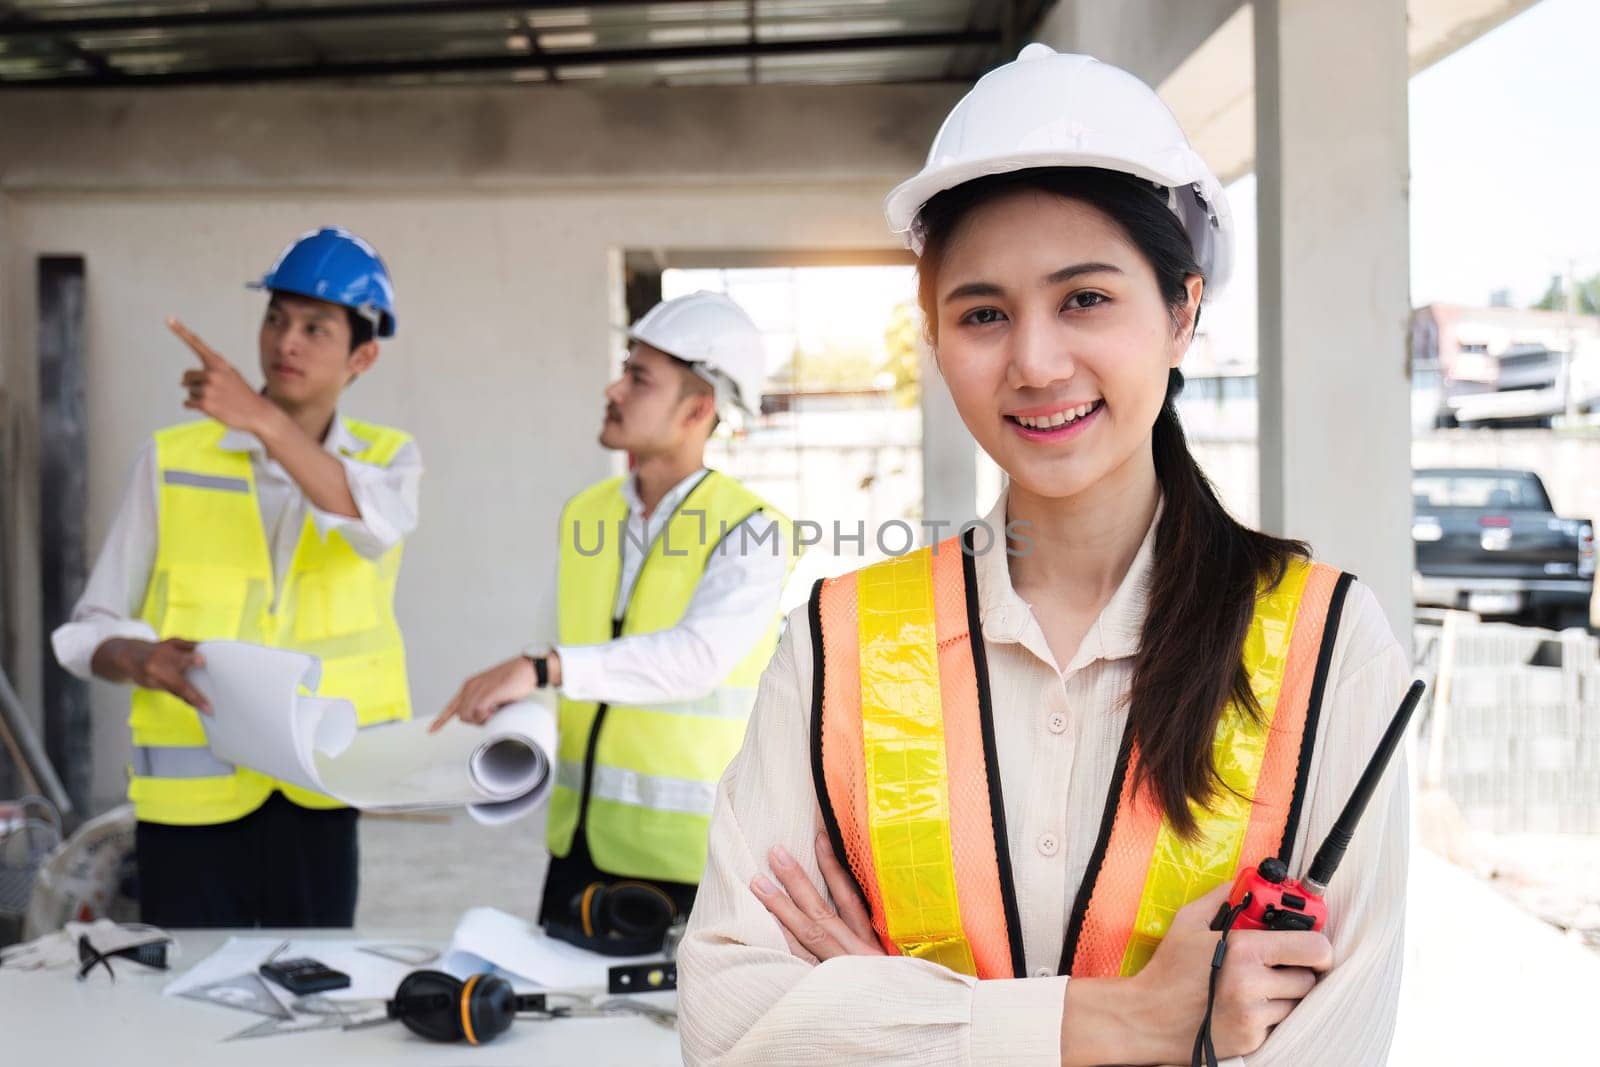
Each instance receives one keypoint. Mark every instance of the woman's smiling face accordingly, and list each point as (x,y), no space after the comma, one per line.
(1054,339)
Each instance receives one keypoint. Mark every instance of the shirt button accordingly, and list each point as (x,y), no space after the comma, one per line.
(1058,722)
(1043,972)
(1048,844)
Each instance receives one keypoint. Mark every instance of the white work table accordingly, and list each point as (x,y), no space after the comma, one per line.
(50,1019)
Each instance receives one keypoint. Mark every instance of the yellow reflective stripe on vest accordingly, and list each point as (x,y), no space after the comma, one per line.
(1181,871)
(908,799)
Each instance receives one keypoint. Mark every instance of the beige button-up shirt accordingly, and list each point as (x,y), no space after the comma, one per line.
(745,999)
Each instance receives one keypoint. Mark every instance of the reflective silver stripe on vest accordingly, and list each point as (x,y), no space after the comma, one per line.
(206,481)
(640,790)
(569,775)
(175,762)
(725,703)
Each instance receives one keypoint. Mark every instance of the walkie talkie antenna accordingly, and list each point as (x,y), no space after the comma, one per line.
(1332,851)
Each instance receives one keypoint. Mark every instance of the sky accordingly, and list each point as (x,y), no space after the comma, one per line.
(1505,165)
(1505,159)
(1505,192)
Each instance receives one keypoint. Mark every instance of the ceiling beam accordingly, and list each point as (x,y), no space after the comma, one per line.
(11,15)
(346,12)
(506,62)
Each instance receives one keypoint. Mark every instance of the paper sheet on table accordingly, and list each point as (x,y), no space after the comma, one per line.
(261,719)
(489,939)
(371,977)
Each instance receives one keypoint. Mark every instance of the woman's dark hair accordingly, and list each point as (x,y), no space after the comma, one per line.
(1208,567)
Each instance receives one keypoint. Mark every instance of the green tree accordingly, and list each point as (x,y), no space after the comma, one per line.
(834,366)
(850,366)
(902,345)
(1555,297)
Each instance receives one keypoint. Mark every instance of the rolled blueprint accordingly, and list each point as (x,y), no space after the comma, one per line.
(265,717)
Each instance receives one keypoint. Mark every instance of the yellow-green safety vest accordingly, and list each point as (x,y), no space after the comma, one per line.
(640,779)
(213,580)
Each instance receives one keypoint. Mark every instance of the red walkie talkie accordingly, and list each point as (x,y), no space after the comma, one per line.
(1264,897)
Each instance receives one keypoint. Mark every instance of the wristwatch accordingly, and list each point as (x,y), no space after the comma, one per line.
(541,671)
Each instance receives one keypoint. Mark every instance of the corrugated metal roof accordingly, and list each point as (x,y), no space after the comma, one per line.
(86,43)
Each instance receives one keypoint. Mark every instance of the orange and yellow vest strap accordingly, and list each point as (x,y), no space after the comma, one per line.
(904,759)
(1141,872)
(903,753)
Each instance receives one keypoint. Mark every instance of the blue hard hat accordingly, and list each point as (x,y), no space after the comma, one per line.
(335,265)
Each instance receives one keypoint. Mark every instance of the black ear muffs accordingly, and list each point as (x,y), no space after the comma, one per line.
(442,1007)
(619,919)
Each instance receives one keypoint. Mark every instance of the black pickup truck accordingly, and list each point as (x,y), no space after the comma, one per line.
(1487,541)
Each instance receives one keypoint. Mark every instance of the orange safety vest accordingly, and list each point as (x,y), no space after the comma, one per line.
(907,776)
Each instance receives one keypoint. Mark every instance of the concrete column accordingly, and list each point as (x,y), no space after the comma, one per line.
(7,485)
(10,779)
(63,542)
(1331,164)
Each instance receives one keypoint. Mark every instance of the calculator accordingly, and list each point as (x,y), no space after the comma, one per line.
(304,975)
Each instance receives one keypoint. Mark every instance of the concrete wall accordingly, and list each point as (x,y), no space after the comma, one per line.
(385,139)
(502,215)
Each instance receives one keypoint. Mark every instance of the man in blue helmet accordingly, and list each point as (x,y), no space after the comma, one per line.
(275,520)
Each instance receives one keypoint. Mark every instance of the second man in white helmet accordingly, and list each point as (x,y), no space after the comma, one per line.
(668,583)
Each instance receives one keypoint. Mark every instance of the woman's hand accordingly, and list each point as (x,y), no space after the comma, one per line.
(814,930)
(1264,975)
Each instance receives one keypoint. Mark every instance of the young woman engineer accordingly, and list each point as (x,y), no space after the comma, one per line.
(993,792)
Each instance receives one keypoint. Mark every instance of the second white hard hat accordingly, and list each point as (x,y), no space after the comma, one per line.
(717,339)
(1053,109)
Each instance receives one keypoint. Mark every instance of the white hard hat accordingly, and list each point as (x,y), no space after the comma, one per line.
(1050,109)
(716,338)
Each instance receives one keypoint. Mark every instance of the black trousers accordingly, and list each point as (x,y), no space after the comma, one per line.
(571,874)
(280,866)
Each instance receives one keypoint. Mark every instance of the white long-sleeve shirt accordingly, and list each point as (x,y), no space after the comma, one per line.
(732,608)
(385,496)
(745,999)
